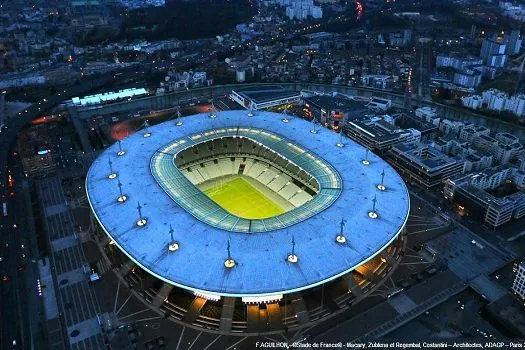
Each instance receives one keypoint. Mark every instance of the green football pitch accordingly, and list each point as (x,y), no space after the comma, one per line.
(241,198)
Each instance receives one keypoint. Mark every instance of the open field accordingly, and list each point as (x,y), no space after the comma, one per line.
(240,198)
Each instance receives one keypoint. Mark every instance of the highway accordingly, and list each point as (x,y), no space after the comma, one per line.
(10,288)
(19,285)
(20,305)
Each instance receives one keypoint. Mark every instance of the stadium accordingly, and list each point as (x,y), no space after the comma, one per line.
(234,222)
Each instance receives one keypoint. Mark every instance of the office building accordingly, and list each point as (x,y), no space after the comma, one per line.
(424,164)
(379,133)
(469,132)
(513,42)
(475,196)
(491,47)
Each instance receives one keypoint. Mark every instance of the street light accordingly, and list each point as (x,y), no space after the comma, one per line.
(292,257)
(229,262)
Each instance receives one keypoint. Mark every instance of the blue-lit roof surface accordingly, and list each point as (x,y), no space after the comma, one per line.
(261,267)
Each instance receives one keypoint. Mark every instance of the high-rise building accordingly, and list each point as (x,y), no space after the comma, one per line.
(512,42)
(88,13)
(497,60)
(423,66)
(472,101)
(302,9)
(468,78)
(491,47)
(457,61)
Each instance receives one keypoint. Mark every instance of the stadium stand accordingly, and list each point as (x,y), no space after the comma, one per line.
(272,178)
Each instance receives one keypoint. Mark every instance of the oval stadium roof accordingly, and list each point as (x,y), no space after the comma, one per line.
(261,265)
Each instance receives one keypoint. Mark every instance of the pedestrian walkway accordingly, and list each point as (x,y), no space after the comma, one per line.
(75,301)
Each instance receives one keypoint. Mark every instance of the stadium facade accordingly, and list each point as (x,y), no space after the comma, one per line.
(338,235)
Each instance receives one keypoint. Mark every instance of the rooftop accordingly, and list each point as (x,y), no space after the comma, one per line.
(378,128)
(261,94)
(336,103)
(426,156)
(261,266)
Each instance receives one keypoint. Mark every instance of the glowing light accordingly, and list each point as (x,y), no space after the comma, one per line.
(229,263)
(173,246)
(122,199)
(148,134)
(121,153)
(293,258)
(262,299)
(340,239)
(372,215)
(142,222)
(211,297)
(39,288)
(365,162)
(112,176)
(381,187)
